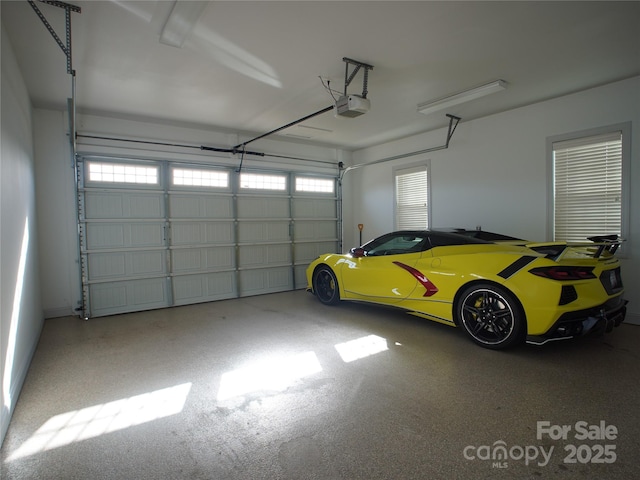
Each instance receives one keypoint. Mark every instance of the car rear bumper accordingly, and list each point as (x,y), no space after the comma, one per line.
(601,319)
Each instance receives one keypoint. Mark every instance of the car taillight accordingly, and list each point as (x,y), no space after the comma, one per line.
(564,273)
(611,280)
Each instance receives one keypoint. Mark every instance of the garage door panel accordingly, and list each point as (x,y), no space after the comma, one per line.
(148,263)
(147,235)
(201,206)
(126,264)
(315,230)
(308,252)
(202,259)
(263,207)
(265,280)
(107,265)
(123,205)
(128,296)
(264,255)
(105,205)
(256,232)
(204,287)
(314,208)
(201,233)
(146,206)
(301,276)
(124,235)
(106,236)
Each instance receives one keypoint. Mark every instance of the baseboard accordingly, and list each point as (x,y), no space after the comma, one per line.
(632,318)
(15,387)
(59,312)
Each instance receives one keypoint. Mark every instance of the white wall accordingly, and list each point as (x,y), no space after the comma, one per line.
(21,316)
(495,172)
(56,204)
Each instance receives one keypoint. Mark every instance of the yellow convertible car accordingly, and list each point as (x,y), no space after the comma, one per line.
(501,290)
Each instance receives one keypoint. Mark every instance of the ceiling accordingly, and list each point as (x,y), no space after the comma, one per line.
(252,67)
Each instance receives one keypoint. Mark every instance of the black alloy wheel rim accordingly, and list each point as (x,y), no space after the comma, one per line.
(488,317)
(325,285)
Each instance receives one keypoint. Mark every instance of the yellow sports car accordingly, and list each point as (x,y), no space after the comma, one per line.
(501,290)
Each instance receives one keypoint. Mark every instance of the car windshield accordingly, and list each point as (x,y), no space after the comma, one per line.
(398,243)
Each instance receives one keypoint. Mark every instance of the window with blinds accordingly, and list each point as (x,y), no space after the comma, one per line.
(412,198)
(587,187)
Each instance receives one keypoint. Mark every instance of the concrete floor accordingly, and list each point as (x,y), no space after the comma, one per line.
(259,388)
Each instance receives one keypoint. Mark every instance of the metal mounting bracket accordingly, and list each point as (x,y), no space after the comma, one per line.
(349,77)
(453,123)
(68,8)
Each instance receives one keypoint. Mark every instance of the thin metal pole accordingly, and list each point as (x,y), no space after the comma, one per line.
(300,120)
(452,128)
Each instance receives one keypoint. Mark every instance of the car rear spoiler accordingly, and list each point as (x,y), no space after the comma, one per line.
(599,245)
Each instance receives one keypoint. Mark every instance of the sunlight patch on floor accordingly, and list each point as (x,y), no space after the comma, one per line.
(271,374)
(361,348)
(91,422)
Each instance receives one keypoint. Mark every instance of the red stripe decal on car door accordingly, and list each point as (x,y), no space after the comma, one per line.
(424,281)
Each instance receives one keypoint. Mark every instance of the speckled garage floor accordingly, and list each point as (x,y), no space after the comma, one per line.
(282,387)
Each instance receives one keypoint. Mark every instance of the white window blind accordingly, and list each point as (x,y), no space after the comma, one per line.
(587,187)
(412,199)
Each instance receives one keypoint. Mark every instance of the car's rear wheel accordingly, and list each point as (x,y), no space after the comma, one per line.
(491,316)
(325,285)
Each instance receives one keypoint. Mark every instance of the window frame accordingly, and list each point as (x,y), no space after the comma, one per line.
(202,188)
(259,190)
(87,181)
(303,192)
(425,166)
(625,129)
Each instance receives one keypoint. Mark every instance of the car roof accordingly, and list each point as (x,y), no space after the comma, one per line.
(439,237)
(484,235)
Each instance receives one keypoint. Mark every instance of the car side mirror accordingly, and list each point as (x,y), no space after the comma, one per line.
(357,252)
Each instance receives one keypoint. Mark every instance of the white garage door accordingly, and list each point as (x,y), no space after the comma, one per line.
(157,234)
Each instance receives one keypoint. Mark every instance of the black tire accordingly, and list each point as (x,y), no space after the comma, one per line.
(325,285)
(491,316)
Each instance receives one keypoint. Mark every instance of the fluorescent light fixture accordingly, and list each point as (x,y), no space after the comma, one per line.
(458,98)
(181,21)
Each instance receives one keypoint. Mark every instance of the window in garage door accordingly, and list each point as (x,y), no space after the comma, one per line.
(175,234)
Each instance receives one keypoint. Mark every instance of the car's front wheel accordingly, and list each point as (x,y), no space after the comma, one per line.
(491,316)
(325,285)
